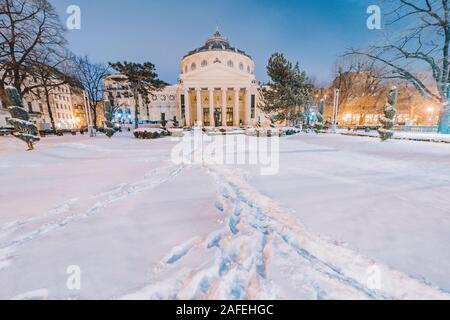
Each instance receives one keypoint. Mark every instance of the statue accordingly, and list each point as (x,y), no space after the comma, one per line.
(108,124)
(217,118)
(388,119)
(25,130)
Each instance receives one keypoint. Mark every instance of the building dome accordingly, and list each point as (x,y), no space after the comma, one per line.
(217,43)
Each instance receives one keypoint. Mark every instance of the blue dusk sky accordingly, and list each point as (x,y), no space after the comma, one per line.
(313,32)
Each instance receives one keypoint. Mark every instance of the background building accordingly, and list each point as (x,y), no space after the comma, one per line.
(63,100)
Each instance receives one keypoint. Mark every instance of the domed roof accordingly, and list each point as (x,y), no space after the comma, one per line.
(217,43)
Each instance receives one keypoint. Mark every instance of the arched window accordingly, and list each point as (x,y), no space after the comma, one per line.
(193,66)
(230,64)
(241,66)
(248,69)
(204,63)
(185,69)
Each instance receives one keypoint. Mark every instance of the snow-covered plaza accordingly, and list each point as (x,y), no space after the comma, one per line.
(344,218)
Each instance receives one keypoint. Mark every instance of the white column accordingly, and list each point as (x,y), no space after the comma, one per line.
(248,97)
(224,107)
(187,106)
(199,107)
(178,111)
(211,107)
(236,117)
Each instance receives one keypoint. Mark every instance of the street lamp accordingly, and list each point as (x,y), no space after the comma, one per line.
(88,113)
(430,110)
(335,109)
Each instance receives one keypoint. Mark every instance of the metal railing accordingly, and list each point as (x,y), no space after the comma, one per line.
(421,129)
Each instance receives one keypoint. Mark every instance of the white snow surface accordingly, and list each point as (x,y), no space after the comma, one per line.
(340,210)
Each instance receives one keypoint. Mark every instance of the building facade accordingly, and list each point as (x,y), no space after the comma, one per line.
(62,100)
(216,86)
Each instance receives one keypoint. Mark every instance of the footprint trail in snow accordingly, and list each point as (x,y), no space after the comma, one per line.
(262,252)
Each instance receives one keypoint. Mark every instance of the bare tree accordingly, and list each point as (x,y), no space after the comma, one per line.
(356,77)
(52,69)
(361,85)
(91,76)
(425,43)
(27,27)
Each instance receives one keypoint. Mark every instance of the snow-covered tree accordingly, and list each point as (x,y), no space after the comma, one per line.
(109,127)
(320,116)
(388,118)
(25,130)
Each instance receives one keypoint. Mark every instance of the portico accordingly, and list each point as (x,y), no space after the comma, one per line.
(200,105)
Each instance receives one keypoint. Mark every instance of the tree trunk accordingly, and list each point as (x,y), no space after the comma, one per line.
(49,108)
(136,109)
(94,117)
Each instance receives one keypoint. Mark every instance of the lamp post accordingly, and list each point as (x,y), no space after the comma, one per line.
(335,109)
(431,115)
(88,114)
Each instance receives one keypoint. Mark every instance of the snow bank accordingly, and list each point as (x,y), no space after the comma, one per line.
(413,136)
(150,133)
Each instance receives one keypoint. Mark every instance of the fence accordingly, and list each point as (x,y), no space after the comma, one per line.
(421,129)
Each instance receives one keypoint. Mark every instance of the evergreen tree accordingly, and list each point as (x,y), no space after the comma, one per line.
(288,93)
(388,119)
(142,79)
(109,127)
(25,129)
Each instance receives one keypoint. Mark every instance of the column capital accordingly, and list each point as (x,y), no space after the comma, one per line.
(197,89)
(224,89)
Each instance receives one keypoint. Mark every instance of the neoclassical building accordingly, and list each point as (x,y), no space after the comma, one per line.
(217,78)
(216,81)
